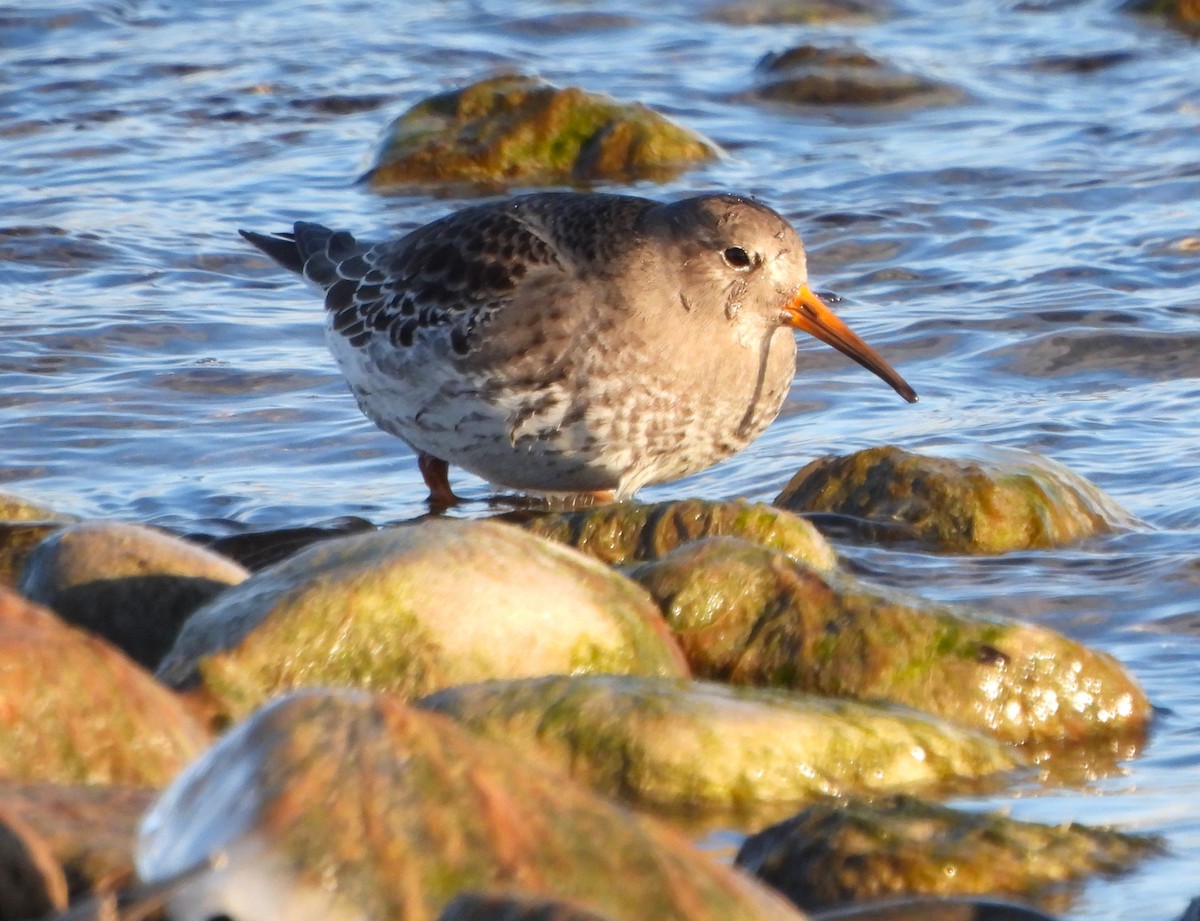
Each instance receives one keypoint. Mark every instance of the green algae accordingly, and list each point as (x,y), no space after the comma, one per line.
(748,615)
(674,744)
(516,130)
(622,533)
(956,506)
(839,851)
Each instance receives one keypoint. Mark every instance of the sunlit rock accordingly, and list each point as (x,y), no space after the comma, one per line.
(520,131)
(678,743)
(1018,501)
(837,851)
(130,584)
(749,615)
(76,710)
(417,608)
(627,532)
(344,805)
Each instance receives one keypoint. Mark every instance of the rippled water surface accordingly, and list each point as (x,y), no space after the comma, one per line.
(1028,256)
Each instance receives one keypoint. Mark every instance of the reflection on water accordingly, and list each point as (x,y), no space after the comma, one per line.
(1026,257)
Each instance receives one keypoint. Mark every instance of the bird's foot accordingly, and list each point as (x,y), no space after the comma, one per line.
(436,474)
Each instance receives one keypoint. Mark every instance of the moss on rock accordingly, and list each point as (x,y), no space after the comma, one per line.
(956,506)
(516,130)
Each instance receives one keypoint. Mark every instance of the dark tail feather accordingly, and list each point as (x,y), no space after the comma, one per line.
(292,250)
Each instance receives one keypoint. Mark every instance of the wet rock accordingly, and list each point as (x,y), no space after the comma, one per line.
(956,506)
(76,710)
(839,851)
(17,540)
(519,131)
(87,830)
(18,508)
(1182,14)
(814,76)
(628,532)
(934,909)
(483,907)
(417,608)
(749,615)
(32,883)
(132,585)
(799,12)
(678,743)
(339,801)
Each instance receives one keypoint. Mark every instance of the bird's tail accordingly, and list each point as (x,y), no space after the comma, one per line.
(293,250)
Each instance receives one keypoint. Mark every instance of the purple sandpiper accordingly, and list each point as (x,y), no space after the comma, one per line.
(566,342)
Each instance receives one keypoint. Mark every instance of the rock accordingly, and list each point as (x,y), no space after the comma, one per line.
(957,506)
(17,540)
(799,12)
(1182,14)
(519,131)
(417,608)
(345,804)
(935,909)
(628,532)
(839,851)
(17,508)
(485,907)
(32,883)
(814,76)
(749,615)
(132,585)
(76,710)
(87,830)
(678,743)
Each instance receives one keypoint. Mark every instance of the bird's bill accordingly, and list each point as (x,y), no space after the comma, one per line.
(808,312)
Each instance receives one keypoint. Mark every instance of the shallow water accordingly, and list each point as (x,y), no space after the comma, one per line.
(1028,257)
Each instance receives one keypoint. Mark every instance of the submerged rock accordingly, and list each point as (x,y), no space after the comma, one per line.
(933,908)
(749,615)
(132,585)
(1182,14)
(18,508)
(415,609)
(77,711)
(799,12)
(347,805)
(678,743)
(838,851)
(815,76)
(17,540)
(956,506)
(628,532)
(516,130)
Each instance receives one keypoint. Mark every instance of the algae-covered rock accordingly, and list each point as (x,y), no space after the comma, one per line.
(839,851)
(17,540)
(678,743)
(630,532)
(417,608)
(1182,14)
(515,130)
(73,709)
(342,801)
(799,12)
(957,506)
(818,76)
(88,830)
(749,615)
(130,584)
(18,508)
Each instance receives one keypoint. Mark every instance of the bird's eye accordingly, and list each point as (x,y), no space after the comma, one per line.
(736,258)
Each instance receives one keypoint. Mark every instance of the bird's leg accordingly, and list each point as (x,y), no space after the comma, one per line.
(436,473)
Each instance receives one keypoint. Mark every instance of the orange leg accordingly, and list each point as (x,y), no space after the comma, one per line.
(436,473)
